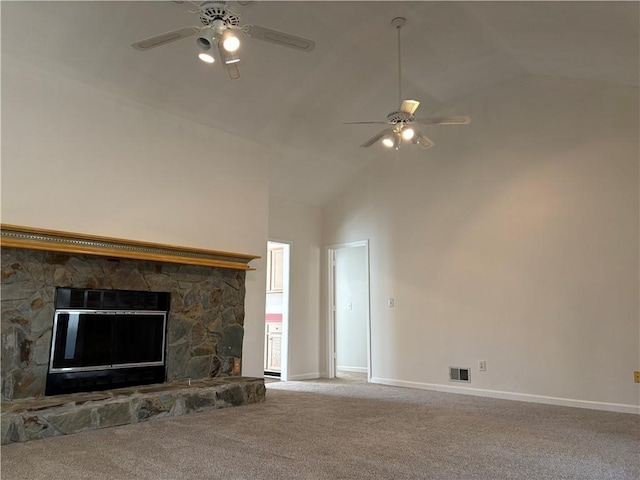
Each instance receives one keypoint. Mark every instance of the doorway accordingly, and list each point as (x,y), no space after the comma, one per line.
(349,311)
(277,310)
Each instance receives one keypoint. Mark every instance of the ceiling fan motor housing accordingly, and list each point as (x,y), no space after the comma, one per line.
(398,22)
(399,117)
(212,11)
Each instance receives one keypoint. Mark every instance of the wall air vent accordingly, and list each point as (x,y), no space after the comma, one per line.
(457,374)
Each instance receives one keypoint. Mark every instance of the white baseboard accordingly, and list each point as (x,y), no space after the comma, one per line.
(305,376)
(521,397)
(352,369)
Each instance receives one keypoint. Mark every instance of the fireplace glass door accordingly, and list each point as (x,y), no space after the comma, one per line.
(87,340)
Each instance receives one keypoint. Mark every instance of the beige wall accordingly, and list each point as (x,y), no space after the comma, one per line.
(79,159)
(514,240)
(300,225)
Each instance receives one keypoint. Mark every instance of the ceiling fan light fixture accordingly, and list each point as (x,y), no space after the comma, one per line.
(388,141)
(227,57)
(408,133)
(230,42)
(206,57)
(204,41)
(205,46)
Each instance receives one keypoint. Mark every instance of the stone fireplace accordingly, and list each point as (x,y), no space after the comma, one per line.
(205,320)
(205,325)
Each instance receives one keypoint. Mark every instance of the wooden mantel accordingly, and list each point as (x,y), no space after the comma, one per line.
(56,241)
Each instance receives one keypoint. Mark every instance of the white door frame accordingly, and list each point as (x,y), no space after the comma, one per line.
(286,286)
(331,305)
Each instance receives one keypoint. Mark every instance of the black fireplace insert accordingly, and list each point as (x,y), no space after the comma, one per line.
(105,339)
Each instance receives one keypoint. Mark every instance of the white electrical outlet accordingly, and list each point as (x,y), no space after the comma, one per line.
(482,365)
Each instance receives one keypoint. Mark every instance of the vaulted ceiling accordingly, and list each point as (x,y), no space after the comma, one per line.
(294,103)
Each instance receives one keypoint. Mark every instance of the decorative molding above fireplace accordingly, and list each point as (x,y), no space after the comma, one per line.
(76,243)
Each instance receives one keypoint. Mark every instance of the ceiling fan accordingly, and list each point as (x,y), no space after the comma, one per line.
(220,30)
(402,122)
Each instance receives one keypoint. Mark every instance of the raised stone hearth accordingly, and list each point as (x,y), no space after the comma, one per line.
(32,419)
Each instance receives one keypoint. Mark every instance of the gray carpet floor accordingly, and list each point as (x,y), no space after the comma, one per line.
(347,429)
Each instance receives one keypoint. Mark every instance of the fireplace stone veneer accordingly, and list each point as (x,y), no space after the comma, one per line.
(205,326)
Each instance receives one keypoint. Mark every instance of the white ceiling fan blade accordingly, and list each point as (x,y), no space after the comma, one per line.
(377,137)
(365,123)
(279,38)
(409,106)
(464,120)
(165,38)
(232,70)
(420,139)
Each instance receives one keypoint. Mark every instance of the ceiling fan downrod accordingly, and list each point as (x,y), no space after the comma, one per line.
(398,23)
